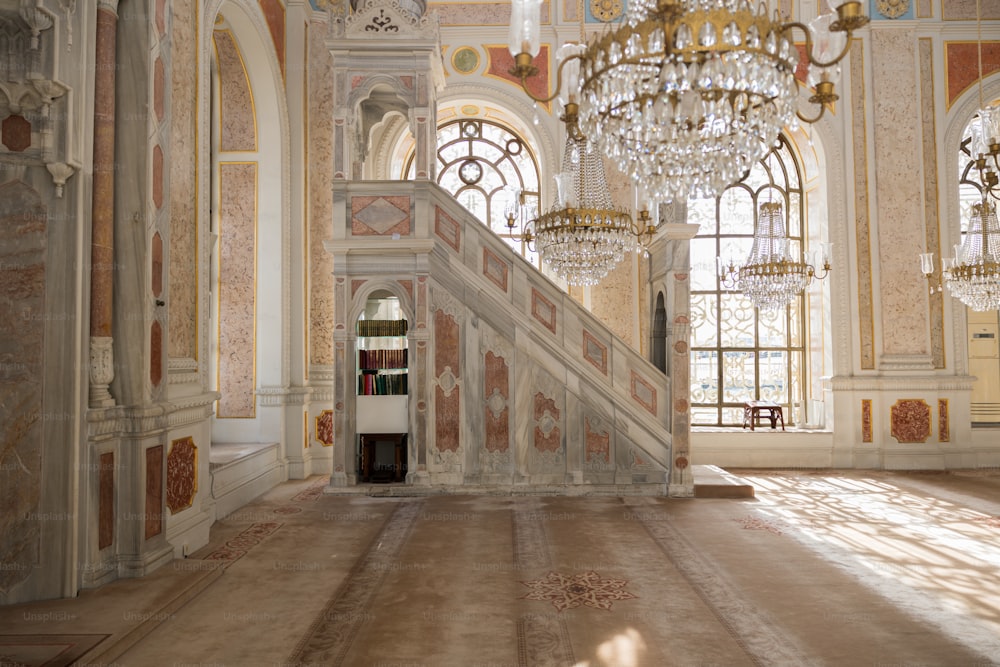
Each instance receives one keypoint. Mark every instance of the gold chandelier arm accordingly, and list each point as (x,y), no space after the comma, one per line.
(524,70)
(809,44)
(808,120)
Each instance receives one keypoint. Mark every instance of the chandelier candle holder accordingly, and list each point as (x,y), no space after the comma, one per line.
(685,95)
(770,277)
(973,274)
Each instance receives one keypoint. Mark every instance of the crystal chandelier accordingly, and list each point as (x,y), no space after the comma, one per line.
(973,274)
(583,236)
(685,95)
(771,278)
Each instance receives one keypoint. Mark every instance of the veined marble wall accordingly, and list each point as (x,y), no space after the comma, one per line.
(237,288)
(320,146)
(965,10)
(183,302)
(22,329)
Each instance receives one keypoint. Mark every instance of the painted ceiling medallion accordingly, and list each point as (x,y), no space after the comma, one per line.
(606,10)
(575,590)
(892,9)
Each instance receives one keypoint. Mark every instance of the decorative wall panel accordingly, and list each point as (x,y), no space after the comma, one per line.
(899,199)
(962,65)
(155,353)
(598,444)
(497,412)
(495,268)
(182,306)
(380,216)
(106,500)
(324,428)
(643,392)
(595,352)
(22,330)
(182,474)
(447,405)
(237,289)
(911,420)
(154,491)
(543,310)
(944,425)
(480,14)
(965,10)
(548,437)
(274,14)
(320,157)
(238,124)
(609,303)
(866,420)
(447,229)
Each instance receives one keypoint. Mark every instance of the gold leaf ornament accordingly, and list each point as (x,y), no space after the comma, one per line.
(892,9)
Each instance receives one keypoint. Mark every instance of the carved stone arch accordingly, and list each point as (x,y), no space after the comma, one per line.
(381,285)
(371,102)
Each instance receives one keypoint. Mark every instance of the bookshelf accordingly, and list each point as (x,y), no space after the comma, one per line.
(382,386)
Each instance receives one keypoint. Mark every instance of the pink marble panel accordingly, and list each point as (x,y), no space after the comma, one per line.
(500,61)
(156,268)
(320,174)
(407,286)
(106,500)
(154,491)
(497,392)
(182,474)
(324,428)
(239,131)
(158,176)
(447,229)
(447,415)
(546,416)
(866,420)
(595,352)
(155,353)
(158,88)
(944,425)
(22,328)
(380,216)
(274,14)
(643,392)
(161,23)
(543,310)
(598,445)
(237,288)
(182,304)
(962,65)
(910,419)
(495,268)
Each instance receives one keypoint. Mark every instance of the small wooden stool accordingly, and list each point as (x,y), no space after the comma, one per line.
(752,410)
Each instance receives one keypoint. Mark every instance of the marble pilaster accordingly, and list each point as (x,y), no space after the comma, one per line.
(898,198)
(102,219)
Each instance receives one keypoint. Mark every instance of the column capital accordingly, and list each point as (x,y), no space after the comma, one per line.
(108,5)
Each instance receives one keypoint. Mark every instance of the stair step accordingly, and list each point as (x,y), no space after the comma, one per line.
(715,482)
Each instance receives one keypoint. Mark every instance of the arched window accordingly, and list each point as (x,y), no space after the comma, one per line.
(476,160)
(738,353)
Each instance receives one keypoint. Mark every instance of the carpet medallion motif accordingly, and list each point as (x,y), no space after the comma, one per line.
(575,590)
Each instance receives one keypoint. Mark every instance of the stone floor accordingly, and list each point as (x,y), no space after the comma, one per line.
(821,568)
